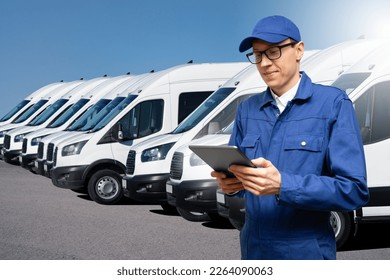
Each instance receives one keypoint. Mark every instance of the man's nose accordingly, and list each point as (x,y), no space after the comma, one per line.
(265,61)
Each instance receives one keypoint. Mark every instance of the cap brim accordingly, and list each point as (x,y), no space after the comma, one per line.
(246,44)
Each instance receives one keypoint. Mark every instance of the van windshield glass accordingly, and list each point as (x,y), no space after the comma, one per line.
(89,115)
(68,113)
(203,110)
(30,111)
(48,112)
(16,109)
(348,82)
(228,129)
(114,112)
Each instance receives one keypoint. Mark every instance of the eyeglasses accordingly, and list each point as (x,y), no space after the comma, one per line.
(271,53)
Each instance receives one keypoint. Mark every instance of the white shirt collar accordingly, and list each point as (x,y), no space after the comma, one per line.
(281,101)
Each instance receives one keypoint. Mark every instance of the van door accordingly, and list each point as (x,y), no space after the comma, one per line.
(146,119)
(373,113)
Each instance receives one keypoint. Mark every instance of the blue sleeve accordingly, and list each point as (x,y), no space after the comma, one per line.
(343,184)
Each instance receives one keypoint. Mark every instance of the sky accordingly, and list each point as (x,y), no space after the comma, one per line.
(46,41)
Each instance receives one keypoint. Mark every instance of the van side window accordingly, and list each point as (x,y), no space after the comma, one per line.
(373,113)
(144,119)
(189,101)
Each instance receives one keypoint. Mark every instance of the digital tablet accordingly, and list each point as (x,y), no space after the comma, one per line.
(221,157)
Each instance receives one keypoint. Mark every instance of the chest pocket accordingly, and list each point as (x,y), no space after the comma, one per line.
(304,142)
(305,152)
(250,145)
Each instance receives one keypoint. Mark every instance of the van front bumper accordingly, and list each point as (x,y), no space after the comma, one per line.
(147,188)
(194,195)
(69,177)
(27,161)
(11,156)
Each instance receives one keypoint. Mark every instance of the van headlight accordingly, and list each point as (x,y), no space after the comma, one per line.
(156,153)
(1,134)
(19,138)
(73,149)
(195,160)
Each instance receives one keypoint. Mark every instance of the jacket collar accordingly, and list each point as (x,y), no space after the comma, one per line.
(304,92)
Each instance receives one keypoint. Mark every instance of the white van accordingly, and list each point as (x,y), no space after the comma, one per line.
(51,100)
(91,92)
(84,123)
(368,85)
(49,97)
(149,162)
(97,159)
(27,102)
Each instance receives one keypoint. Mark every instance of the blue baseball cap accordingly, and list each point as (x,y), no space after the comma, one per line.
(272,29)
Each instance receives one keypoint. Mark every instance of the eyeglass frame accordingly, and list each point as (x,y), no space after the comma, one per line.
(265,52)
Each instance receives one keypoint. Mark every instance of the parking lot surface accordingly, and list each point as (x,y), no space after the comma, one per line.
(40,221)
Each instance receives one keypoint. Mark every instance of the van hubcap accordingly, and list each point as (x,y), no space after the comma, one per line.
(107,187)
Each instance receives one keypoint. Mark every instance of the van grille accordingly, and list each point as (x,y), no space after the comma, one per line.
(24,146)
(55,157)
(130,163)
(40,150)
(177,166)
(7,141)
(50,150)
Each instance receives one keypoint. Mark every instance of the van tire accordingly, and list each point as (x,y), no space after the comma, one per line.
(193,216)
(341,223)
(105,187)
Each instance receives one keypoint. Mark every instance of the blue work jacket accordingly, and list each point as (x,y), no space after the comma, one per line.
(315,144)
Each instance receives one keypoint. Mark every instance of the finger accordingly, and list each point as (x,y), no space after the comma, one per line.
(217,174)
(262,162)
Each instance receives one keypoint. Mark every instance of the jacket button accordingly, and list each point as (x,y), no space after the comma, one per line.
(303,143)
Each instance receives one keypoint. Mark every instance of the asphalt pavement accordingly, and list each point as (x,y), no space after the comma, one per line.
(39,221)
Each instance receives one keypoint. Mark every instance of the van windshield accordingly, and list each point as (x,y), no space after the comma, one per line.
(204,109)
(228,129)
(68,113)
(30,111)
(348,82)
(16,109)
(88,115)
(48,112)
(114,112)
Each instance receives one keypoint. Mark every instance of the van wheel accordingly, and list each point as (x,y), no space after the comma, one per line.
(193,216)
(341,223)
(105,187)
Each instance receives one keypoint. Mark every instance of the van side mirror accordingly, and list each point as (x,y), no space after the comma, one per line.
(120,132)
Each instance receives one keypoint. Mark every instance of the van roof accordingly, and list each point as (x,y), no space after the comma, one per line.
(190,72)
(373,66)
(85,88)
(39,93)
(62,89)
(337,59)
(376,62)
(106,86)
(125,88)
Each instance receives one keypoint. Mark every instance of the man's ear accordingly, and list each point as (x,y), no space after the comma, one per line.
(300,50)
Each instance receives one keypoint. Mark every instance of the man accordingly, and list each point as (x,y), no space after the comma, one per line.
(305,140)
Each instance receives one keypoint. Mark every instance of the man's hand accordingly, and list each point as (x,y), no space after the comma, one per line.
(265,180)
